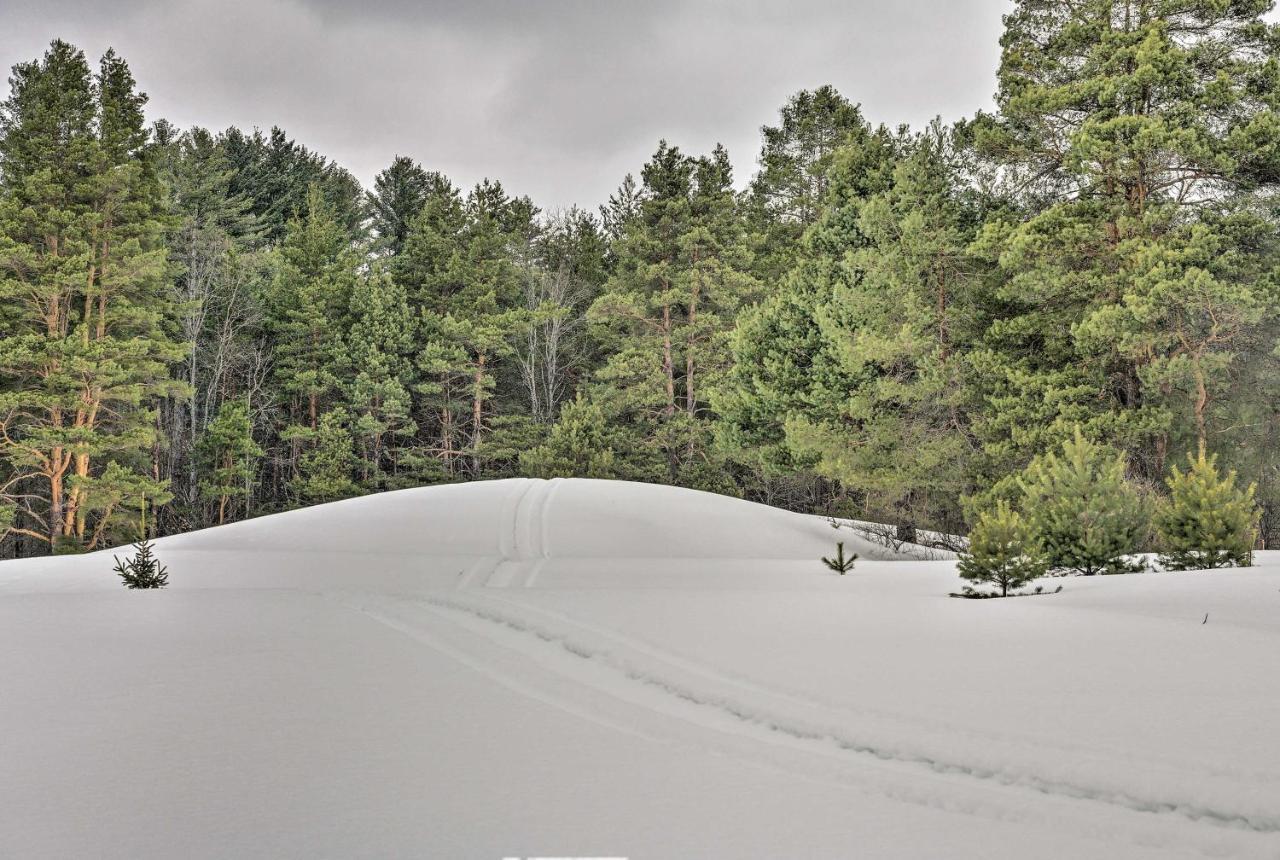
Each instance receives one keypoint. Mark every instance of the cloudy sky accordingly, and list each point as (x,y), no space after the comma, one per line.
(559,99)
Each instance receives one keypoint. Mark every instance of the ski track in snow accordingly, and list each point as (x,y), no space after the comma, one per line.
(670,688)
(523,540)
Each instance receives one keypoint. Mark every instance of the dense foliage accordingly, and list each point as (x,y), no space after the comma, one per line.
(903,326)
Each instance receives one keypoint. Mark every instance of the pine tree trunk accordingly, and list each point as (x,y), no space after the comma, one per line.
(690,392)
(668,363)
(477,412)
(1201,405)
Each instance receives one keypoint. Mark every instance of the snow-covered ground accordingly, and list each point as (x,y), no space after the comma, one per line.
(588,668)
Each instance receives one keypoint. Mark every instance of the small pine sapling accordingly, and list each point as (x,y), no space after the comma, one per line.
(840,564)
(1208,520)
(1003,551)
(1086,516)
(143,570)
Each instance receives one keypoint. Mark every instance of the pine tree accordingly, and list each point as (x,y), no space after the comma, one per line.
(839,563)
(277,176)
(83,300)
(1141,132)
(1207,521)
(1082,509)
(896,326)
(210,229)
(563,271)
(381,349)
(581,444)
(682,272)
(1003,551)
(398,195)
(788,193)
(227,455)
(8,516)
(325,468)
(459,272)
(781,366)
(308,308)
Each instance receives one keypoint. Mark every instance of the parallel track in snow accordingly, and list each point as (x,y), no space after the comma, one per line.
(524,542)
(630,686)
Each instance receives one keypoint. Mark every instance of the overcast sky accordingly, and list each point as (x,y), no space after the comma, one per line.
(558,99)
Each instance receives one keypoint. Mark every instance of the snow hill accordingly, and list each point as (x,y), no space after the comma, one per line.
(589,668)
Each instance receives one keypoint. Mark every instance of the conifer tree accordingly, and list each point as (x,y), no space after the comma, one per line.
(682,272)
(1207,521)
(143,569)
(839,563)
(581,444)
(1082,509)
(209,228)
(562,272)
(277,176)
(398,195)
(1139,131)
(789,191)
(1003,551)
(896,325)
(325,469)
(83,299)
(228,455)
(482,308)
(381,348)
(307,316)
(781,366)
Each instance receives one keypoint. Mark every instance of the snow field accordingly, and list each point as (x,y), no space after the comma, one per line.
(596,668)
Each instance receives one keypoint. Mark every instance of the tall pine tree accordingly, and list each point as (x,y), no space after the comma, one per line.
(83,297)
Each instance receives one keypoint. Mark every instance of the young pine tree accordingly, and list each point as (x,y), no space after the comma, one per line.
(840,563)
(227,455)
(581,444)
(1087,516)
(324,472)
(1208,521)
(1003,551)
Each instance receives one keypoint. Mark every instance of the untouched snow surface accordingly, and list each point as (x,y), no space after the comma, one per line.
(588,668)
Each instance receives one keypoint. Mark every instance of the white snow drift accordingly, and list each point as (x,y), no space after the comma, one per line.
(529,668)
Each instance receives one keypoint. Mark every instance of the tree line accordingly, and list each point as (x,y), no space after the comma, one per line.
(892,324)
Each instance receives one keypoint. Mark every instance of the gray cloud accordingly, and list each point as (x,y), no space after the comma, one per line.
(558,99)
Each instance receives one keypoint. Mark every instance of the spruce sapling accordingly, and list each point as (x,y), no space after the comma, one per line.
(144,570)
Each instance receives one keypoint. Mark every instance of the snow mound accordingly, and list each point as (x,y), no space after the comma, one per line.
(519,532)
(527,518)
